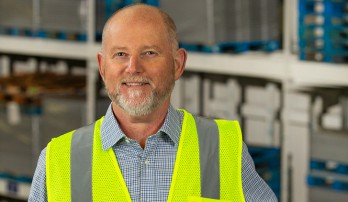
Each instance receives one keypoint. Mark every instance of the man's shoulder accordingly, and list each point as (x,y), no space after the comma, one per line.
(81,130)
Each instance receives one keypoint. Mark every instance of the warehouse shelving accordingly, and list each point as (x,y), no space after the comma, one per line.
(278,65)
(281,66)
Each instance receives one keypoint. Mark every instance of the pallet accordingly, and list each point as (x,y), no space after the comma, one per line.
(320,165)
(233,47)
(60,35)
(328,183)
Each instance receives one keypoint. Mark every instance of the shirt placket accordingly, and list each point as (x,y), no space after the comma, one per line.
(147,174)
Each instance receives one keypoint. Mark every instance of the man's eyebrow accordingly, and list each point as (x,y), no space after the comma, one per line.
(123,48)
(118,48)
(157,48)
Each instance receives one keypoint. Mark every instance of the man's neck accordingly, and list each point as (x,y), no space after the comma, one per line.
(139,128)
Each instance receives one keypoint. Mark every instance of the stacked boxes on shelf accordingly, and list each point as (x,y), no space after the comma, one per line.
(260,112)
(218,26)
(262,130)
(16,17)
(328,164)
(323,30)
(23,84)
(213,96)
(187,93)
(26,81)
(62,19)
(15,99)
(336,116)
(57,19)
(226,25)
(221,97)
(37,96)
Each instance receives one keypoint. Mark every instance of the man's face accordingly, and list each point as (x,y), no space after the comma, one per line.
(139,66)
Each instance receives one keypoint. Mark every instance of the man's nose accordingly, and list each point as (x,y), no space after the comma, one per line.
(134,65)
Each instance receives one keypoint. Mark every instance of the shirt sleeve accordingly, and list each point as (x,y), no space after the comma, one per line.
(254,187)
(38,191)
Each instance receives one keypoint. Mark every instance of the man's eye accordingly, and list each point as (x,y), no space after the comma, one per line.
(150,53)
(120,54)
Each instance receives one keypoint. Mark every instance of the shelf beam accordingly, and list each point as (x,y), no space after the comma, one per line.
(43,47)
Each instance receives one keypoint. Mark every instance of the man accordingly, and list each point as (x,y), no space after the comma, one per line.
(144,149)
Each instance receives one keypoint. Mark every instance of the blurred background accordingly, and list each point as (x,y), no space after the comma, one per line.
(277,66)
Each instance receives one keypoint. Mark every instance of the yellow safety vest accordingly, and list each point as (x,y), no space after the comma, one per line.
(208,165)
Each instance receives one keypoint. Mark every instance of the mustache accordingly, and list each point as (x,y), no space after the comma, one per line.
(139,79)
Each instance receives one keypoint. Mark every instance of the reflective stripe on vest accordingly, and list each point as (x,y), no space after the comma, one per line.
(201,170)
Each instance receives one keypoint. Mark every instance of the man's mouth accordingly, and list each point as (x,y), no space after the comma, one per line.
(134,83)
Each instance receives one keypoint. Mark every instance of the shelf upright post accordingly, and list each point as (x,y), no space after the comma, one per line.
(91,91)
(285,151)
(91,63)
(90,22)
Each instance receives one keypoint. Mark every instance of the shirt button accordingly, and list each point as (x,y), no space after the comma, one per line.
(146,162)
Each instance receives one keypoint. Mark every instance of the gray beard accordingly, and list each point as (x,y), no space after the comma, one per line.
(148,104)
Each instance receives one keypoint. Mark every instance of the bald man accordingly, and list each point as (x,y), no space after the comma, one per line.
(143,149)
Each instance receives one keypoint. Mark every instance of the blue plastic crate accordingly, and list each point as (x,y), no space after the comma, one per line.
(317,165)
(62,35)
(311,7)
(342,169)
(315,181)
(152,2)
(326,7)
(13,31)
(340,186)
(265,157)
(234,47)
(333,47)
(41,34)
(130,2)
(81,37)
(111,6)
(326,37)
(325,56)
(333,42)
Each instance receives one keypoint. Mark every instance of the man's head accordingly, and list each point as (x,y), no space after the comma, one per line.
(145,11)
(140,59)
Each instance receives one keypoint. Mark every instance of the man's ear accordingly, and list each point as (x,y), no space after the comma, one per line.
(100,64)
(180,62)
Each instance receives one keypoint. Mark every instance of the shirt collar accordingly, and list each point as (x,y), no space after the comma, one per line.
(111,132)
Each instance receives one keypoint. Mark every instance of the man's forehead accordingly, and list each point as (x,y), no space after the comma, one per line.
(139,12)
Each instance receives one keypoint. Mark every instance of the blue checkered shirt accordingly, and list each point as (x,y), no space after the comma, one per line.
(148,172)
